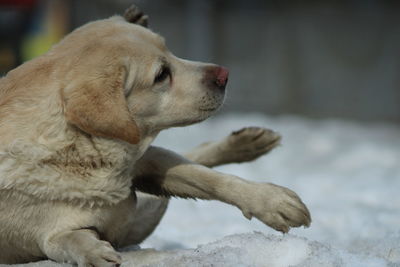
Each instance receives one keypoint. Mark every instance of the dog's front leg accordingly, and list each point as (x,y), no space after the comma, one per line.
(82,247)
(163,172)
(243,145)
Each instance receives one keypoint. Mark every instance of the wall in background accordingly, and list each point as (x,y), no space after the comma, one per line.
(314,58)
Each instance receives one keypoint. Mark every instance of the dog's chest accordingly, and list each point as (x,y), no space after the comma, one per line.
(92,182)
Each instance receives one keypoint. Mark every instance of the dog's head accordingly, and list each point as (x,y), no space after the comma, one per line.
(123,82)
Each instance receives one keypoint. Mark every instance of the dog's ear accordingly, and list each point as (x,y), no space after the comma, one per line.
(98,107)
(134,15)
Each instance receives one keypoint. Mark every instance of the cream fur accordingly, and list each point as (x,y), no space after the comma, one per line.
(76,128)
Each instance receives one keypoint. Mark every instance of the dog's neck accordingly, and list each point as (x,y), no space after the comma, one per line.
(102,152)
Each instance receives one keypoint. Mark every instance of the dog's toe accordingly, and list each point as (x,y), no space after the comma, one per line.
(250,143)
(277,207)
(102,256)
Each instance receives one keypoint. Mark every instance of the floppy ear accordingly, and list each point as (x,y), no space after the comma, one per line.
(134,15)
(98,107)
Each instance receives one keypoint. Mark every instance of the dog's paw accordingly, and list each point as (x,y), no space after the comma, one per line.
(276,206)
(248,144)
(134,15)
(102,255)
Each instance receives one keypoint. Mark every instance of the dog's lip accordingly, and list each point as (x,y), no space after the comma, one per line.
(209,109)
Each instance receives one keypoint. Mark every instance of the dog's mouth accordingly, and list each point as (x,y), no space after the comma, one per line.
(207,112)
(209,109)
(204,114)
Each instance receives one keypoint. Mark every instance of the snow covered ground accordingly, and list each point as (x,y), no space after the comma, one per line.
(348,174)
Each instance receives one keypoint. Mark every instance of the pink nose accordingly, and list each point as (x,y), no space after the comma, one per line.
(222,76)
(215,77)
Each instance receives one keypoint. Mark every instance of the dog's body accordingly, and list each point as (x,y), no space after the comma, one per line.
(76,128)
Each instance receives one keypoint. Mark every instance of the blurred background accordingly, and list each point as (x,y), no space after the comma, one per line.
(321,59)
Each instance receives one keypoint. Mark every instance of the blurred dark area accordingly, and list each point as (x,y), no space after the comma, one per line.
(320,59)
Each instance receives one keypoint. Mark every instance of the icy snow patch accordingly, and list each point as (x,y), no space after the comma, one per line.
(347,173)
(245,250)
(258,250)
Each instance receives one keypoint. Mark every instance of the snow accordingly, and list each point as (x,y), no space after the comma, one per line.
(347,173)
(256,249)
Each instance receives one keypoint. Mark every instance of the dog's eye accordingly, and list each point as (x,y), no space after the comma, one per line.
(163,74)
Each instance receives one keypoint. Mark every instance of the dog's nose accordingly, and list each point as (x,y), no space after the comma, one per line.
(222,77)
(216,77)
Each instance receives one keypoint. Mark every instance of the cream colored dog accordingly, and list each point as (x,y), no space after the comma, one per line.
(76,128)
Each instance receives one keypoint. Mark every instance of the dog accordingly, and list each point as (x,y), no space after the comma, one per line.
(78,175)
